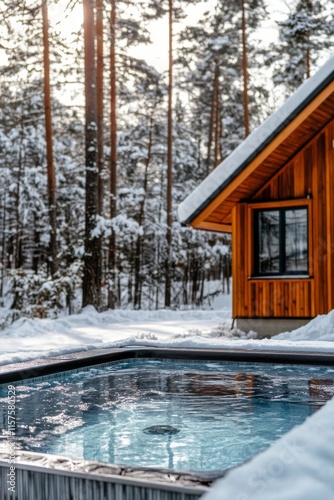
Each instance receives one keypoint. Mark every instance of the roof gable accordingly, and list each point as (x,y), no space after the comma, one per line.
(311,105)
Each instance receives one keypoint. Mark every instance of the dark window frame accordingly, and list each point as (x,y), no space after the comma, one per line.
(282,242)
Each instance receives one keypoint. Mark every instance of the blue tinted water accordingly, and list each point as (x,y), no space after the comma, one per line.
(224,412)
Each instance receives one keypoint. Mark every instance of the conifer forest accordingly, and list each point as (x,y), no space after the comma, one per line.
(98,145)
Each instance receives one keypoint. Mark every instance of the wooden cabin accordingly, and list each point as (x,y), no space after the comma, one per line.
(275,194)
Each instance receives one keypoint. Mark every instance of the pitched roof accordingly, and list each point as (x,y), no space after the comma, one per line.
(256,142)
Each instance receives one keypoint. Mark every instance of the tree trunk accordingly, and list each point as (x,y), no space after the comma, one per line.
(244,69)
(211,125)
(308,52)
(18,262)
(3,245)
(168,281)
(36,251)
(92,261)
(100,113)
(201,294)
(217,114)
(194,273)
(138,254)
(308,63)
(112,293)
(185,280)
(199,145)
(99,99)
(130,276)
(51,178)
(221,127)
(17,251)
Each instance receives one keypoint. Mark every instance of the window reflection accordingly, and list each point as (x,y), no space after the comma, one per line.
(281,241)
(296,240)
(269,242)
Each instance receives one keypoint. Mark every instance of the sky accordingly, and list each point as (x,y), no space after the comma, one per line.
(157,54)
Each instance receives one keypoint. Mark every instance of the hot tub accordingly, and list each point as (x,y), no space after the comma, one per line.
(170,420)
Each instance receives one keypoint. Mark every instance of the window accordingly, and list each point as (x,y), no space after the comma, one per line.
(281,241)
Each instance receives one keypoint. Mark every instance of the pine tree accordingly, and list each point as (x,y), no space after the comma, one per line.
(92,260)
(245,67)
(49,144)
(303,36)
(214,57)
(100,100)
(112,296)
(142,218)
(169,206)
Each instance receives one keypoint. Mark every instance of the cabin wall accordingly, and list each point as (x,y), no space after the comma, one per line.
(308,177)
(330,212)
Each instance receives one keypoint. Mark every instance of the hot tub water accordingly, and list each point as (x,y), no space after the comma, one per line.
(181,415)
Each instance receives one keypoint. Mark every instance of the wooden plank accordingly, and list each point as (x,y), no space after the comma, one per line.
(243,224)
(330,212)
(284,279)
(216,227)
(280,296)
(310,158)
(235,276)
(259,300)
(299,180)
(322,226)
(311,299)
(304,171)
(265,298)
(308,166)
(293,289)
(286,299)
(250,243)
(253,299)
(285,184)
(227,220)
(281,203)
(277,309)
(239,261)
(283,298)
(301,299)
(274,190)
(271,299)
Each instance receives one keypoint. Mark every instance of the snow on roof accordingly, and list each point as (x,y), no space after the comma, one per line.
(254,144)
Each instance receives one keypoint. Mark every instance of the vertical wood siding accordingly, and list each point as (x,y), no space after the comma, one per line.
(330,212)
(309,173)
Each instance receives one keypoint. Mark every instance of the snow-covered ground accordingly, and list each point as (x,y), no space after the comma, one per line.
(297,467)
(30,338)
(321,328)
(27,339)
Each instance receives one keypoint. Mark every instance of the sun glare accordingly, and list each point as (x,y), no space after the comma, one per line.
(65,20)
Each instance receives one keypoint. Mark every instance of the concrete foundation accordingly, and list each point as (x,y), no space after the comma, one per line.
(268,327)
